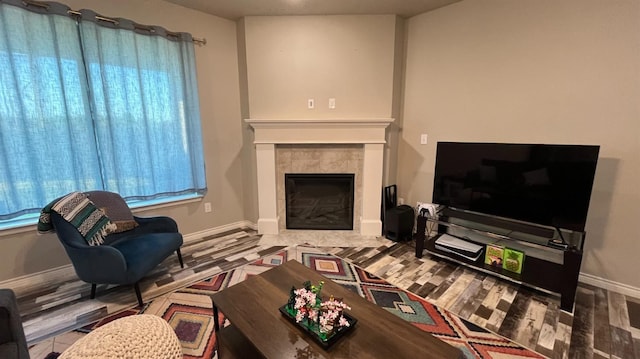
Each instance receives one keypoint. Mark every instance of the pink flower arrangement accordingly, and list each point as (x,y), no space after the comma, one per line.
(332,315)
(307,304)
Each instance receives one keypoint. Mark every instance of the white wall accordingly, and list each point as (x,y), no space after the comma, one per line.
(540,72)
(290,59)
(293,58)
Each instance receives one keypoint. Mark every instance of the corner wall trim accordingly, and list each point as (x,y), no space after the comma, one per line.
(23,284)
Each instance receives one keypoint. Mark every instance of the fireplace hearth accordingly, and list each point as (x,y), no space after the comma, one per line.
(319,201)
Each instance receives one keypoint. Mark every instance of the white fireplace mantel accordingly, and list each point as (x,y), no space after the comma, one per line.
(371,133)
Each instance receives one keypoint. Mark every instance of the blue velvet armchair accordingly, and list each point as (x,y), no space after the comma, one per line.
(125,257)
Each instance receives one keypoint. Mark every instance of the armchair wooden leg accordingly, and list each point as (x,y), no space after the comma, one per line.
(136,286)
(93,290)
(180,258)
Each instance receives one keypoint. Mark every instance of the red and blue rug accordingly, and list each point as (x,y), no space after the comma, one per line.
(189,310)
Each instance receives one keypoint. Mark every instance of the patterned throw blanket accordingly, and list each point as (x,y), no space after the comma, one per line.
(78,210)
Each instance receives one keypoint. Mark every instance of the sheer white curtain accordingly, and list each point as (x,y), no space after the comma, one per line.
(88,104)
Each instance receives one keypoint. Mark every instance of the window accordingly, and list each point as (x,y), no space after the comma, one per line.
(85,106)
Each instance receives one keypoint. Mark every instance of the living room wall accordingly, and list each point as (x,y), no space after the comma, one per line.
(217,67)
(289,59)
(294,58)
(534,72)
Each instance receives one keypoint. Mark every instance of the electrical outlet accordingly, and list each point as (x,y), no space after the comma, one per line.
(332,103)
(207,207)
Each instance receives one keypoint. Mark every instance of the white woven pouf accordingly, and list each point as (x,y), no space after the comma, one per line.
(136,336)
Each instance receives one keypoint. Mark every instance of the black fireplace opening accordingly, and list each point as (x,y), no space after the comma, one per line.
(319,200)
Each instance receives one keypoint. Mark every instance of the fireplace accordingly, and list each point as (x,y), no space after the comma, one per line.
(319,201)
(367,136)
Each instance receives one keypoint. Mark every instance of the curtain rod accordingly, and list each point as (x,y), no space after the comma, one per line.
(201,42)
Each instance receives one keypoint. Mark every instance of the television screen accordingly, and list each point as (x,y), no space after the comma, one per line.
(538,183)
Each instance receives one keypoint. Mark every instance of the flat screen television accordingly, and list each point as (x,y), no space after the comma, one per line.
(543,184)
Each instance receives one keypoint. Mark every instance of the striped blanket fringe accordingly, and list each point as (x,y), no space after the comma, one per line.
(77,209)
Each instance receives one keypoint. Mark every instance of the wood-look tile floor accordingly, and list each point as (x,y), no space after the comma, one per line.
(63,304)
(604,324)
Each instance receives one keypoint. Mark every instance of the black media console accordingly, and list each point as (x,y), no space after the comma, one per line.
(552,256)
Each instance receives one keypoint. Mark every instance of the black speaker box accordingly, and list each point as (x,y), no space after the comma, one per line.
(398,223)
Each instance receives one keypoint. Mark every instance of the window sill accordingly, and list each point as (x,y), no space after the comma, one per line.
(28,222)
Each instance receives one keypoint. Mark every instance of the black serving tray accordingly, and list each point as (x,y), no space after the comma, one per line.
(329,341)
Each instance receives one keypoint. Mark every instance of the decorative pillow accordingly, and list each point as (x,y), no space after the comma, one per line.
(115,208)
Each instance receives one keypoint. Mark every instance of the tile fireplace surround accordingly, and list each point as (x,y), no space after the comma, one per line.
(369,134)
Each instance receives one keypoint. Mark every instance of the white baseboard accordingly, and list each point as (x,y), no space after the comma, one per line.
(370,227)
(609,285)
(268,226)
(59,274)
(213,231)
(20,285)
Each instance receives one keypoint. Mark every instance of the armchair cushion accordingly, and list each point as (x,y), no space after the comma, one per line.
(115,207)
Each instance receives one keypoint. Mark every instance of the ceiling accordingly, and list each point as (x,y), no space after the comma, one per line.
(235,9)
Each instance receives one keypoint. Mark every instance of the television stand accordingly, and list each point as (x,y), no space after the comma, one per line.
(558,244)
(552,262)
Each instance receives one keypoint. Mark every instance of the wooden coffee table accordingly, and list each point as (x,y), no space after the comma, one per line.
(258,329)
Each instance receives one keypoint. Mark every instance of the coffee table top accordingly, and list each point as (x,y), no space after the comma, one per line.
(252,307)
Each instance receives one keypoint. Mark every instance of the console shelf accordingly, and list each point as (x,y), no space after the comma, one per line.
(546,267)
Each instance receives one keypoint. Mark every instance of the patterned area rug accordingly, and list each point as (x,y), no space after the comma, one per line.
(189,310)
